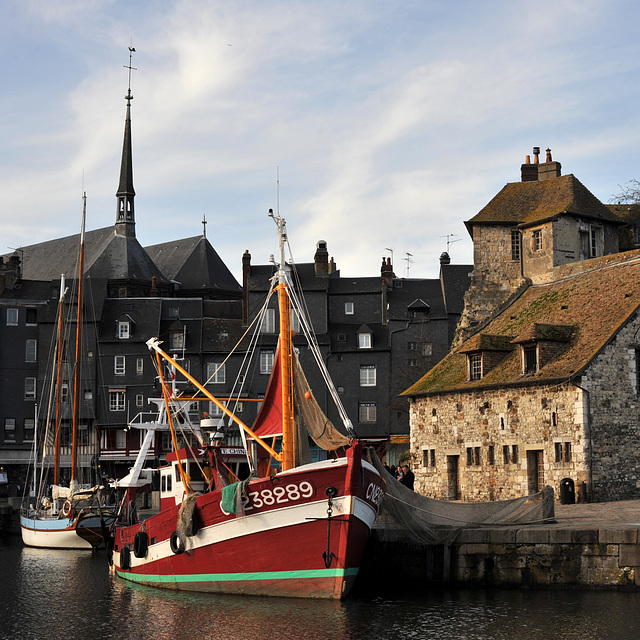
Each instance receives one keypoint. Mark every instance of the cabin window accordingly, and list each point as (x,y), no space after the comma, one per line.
(367,375)
(163,483)
(124,330)
(515,244)
(364,340)
(269,321)
(12,317)
(349,309)
(216,373)
(530,358)
(116,400)
(266,361)
(29,430)
(30,350)
(29,388)
(367,412)
(537,240)
(119,365)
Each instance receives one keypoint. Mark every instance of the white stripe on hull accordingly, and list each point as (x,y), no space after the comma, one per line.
(51,534)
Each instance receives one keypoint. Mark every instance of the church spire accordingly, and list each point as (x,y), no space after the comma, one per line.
(125,212)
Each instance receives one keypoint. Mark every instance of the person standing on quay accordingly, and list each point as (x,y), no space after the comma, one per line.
(407,477)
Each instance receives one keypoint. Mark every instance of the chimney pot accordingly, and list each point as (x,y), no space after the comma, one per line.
(548,155)
(536,154)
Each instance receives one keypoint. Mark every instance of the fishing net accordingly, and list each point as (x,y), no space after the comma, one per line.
(311,420)
(185,518)
(232,494)
(430,521)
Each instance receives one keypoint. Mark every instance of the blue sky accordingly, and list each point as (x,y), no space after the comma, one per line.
(390,123)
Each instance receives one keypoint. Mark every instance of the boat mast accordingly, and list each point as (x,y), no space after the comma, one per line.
(76,380)
(286,350)
(56,467)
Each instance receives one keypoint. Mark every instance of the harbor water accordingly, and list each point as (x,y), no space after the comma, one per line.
(70,595)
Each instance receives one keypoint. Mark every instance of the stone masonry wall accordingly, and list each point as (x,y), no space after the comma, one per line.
(614,408)
(494,433)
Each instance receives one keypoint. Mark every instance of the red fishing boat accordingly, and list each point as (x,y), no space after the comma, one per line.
(291,528)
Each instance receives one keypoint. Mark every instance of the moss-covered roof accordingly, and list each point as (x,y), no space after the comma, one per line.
(550,332)
(486,342)
(591,307)
(526,203)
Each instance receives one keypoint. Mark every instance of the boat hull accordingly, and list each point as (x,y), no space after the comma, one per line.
(59,533)
(285,548)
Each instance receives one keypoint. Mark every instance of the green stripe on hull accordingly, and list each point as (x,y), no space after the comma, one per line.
(238,577)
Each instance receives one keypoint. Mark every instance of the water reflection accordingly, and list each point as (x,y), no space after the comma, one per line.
(71,595)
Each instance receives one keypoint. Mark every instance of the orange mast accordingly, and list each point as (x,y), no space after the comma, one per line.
(76,380)
(56,468)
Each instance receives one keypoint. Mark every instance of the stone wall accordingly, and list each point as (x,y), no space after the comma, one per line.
(493,434)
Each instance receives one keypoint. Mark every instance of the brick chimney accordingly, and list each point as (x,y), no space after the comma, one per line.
(536,171)
(386,271)
(321,259)
(549,169)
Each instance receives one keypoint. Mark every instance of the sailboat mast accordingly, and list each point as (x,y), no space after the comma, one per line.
(76,379)
(286,351)
(60,342)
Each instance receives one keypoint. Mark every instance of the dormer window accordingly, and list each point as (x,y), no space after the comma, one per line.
(124,330)
(484,352)
(475,366)
(364,340)
(529,358)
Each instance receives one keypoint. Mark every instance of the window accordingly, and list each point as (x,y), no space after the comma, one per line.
(139,366)
(83,434)
(426,349)
(537,240)
(174,312)
(367,412)
(428,458)
(64,392)
(295,321)
(139,400)
(88,394)
(475,366)
(31,350)
(348,308)
(506,457)
(119,365)
(473,456)
(29,430)
(412,346)
(116,400)
(563,451)
(530,358)
(12,317)
(9,429)
(266,361)
(121,439)
(216,373)
(364,340)
(342,337)
(269,321)
(412,362)
(177,339)
(340,389)
(32,316)
(567,452)
(491,455)
(515,244)
(514,454)
(124,330)
(29,388)
(367,375)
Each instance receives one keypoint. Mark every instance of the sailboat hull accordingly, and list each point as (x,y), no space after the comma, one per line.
(284,545)
(58,533)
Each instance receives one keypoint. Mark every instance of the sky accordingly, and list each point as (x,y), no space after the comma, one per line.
(376,126)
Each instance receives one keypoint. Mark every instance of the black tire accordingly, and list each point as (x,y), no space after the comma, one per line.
(176,544)
(140,544)
(125,558)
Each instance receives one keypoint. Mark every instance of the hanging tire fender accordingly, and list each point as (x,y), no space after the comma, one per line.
(125,558)
(194,525)
(140,544)
(177,546)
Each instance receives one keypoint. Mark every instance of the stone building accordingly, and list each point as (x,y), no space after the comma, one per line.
(543,384)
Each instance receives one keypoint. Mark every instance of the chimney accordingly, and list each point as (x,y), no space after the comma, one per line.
(154,289)
(529,170)
(444,258)
(246,273)
(321,259)
(549,169)
(386,271)
(332,266)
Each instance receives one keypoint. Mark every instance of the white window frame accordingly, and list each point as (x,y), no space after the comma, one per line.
(349,308)
(269,321)
(116,400)
(216,373)
(139,399)
(124,330)
(364,341)
(367,412)
(139,366)
(29,388)
(368,375)
(178,340)
(266,362)
(119,365)
(31,350)
(12,317)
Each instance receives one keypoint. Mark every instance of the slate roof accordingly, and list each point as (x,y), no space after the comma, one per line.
(455,281)
(527,203)
(107,255)
(590,309)
(194,263)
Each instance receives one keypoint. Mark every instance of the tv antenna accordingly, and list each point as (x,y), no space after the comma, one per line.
(409,261)
(391,252)
(449,241)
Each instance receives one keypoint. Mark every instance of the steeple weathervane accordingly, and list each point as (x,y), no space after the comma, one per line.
(125,218)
